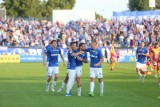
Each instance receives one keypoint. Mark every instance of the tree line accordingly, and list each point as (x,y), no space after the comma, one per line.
(35,8)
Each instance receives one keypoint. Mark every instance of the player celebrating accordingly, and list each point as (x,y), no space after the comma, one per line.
(52,53)
(95,67)
(141,55)
(71,67)
(79,63)
(155,52)
(112,57)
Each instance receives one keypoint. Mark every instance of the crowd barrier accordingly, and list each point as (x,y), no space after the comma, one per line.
(9,58)
(16,55)
(136,13)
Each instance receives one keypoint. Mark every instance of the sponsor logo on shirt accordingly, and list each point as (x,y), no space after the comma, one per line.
(94,56)
(54,54)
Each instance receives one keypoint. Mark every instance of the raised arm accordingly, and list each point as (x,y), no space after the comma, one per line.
(77,53)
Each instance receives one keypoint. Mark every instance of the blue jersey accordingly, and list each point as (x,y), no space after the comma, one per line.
(95,56)
(53,56)
(83,56)
(71,60)
(45,51)
(142,58)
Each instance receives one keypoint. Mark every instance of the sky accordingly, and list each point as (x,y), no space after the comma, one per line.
(103,7)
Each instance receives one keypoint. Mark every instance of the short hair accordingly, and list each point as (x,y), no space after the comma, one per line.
(72,43)
(156,43)
(143,42)
(81,44)
(93,41)
(53,41)
(149,43)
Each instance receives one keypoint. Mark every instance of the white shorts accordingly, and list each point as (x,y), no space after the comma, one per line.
(143,67)
(79,71)
(71,73)
(96,72)
(52,70)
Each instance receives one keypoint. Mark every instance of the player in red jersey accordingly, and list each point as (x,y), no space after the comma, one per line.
(158,65)
(149,58)
(112,57)
(155,52)
(118,54)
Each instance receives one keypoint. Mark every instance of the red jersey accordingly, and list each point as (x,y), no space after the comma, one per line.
(149,49)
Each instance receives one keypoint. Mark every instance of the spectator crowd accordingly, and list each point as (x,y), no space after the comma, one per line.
(36,33)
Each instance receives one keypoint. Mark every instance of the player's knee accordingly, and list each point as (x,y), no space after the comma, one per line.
(78,79)
(92,79)
(100,80)
(49,78)
(56,76)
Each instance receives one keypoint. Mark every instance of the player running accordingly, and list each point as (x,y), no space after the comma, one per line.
(149,58)
(155,52)
(71,66)
(112,57)
(141,56)
(52,53)
(79,63)
(95,67)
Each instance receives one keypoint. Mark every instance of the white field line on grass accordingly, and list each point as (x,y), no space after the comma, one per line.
(125,67)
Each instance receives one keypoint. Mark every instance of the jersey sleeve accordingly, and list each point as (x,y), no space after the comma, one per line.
(70,53)
(145,51)
(85,56)
(45,50)
(100,54)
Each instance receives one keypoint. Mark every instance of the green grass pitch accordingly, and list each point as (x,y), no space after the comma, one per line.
(23,85)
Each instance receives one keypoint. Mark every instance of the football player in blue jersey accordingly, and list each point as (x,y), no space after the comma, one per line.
(141,56)
(46,60)
(80,59)
(71,66)
(96,60)
(53,70)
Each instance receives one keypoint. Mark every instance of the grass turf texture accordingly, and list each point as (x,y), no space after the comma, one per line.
(23,85)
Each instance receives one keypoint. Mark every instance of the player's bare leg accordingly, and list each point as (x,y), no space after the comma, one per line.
(111,65)
(78,85)
(156,71)
(143,76)
(101,86)
(159,76)
(114,64)
(63,83)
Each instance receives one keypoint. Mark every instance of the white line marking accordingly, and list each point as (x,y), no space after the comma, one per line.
(125,67)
